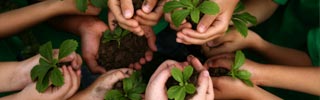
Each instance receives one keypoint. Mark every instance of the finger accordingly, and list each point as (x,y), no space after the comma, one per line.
(126,71)
(67,82)
(149,55)
(210,92)
(147,16)
(142,61)
(148,5)
(205,22)
(188,39)
(158,84)
(145,22)
(127,8)
(203,83)
(195,62)
(55,53)
(136,30)
(70,58)
(74,81)
(137,66)
(116,76)
(151,38)
(97,69)
(114,6)
(164,65)
(112,21)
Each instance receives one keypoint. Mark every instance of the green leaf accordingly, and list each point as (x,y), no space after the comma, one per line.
(56,77)
(240,7)
(186,3)
(82,5)
(172,5)
(187,72)
(190,88)
(134,96)
(239,59)
(140,88)
(178,16)
(176,92)
(35,72)
(243,74)
(118,31)
(100,3)
(39,71)
(195,15)
(127,84)
(177,74)
(42,85)
(248,82)
(44,62)
(46,51)
(67,47)
(241,27)
(195,3)
(208,7)
(113,95)
(246,17)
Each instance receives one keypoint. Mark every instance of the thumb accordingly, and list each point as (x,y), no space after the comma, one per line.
(151,37)
(148,5)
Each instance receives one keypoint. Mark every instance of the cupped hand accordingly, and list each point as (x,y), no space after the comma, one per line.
(231,42)
(147,16)
(70,86)
(74,58)
(210,26)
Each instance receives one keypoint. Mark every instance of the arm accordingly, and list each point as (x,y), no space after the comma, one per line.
(19,19)
(304,79)
(275,54)
(261,9)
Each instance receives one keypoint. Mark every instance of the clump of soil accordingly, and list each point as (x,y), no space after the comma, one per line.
(219,71)
(114,56)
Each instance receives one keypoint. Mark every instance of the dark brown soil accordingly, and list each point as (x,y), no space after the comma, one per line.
(131,49)
(216,72)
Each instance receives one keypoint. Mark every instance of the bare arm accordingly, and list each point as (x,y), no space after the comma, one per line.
(261,9)
(304,79)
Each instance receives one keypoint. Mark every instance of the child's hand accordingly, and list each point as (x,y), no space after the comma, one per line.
(146,16)
(231,42)
(121,13)
(210,26)
(74,58)
(71,85)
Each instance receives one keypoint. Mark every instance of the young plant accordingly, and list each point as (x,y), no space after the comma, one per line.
(132,88)
(179,92)
(241,74)
(48,67)
(182,8)
(240,19)
(116,35)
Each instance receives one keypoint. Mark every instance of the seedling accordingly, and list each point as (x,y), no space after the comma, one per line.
(179,92)
(240,19)
(236,72)
(116,35)
(132,88)
(183,8)
(48,67)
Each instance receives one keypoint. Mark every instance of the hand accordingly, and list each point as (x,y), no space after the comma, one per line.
(151,38)
(231,42)
(115,17)
(73,58)
(145,17)
(104,83)
(71,85)
(210,26)
(156,89)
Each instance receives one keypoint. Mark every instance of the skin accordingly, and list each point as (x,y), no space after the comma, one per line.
(103,84)
(224,84)
(37,13)
(156,89)
(274,54)
(71,84)
(16,75)
(279,76)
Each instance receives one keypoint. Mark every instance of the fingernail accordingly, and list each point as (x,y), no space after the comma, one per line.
(127,14)
(206,73)
(146,8)
(201,28)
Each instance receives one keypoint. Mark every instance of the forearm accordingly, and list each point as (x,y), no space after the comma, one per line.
(260,94)
(261,9)
(303,79)
(281,55)
(19,19)
(15,75)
